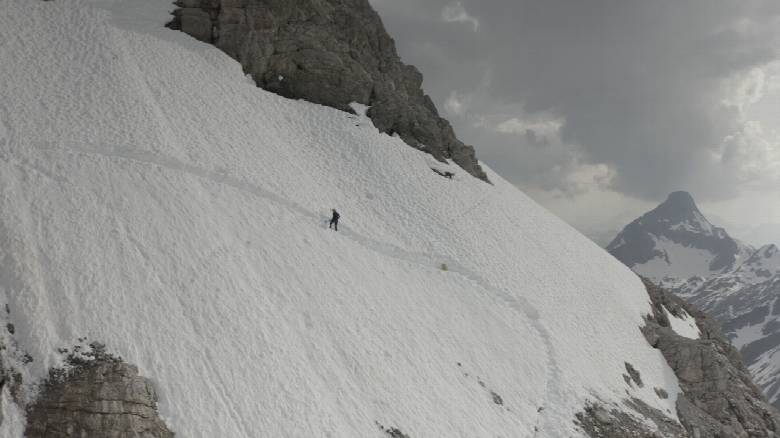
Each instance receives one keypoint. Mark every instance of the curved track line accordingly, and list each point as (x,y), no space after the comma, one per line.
(519,304)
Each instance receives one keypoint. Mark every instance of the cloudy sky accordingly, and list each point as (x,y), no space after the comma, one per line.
(600,108)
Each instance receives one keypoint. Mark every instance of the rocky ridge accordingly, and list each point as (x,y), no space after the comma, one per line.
(94,394)
(97,394)
(331,52)
(719,399)
(740,291)
(750,319)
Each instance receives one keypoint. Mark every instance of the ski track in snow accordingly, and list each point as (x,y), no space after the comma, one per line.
(519,304)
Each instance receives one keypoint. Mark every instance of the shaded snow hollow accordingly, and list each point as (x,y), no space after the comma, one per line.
(153,199)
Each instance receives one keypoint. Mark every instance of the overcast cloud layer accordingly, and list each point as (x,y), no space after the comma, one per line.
(614,103)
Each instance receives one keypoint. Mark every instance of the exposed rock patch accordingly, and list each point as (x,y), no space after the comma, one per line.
(494,396)
(599,422)
(96,395)
(719,399)
(392,432)
(634,375)
(661,393)
(331,52)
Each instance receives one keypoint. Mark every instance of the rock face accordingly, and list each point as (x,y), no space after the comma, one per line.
(597,422)
(719,398)
(99,397)
(747,307)
(675,246)
(331,52)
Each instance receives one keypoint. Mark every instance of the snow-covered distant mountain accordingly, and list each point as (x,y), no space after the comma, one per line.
(675,242)
(675,246)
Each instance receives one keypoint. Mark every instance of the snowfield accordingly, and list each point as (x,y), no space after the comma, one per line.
(152,198)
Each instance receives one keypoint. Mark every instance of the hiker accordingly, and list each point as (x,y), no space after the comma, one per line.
(334,221)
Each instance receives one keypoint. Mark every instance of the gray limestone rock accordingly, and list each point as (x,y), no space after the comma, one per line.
(634,374)
(719,398)
(100,396)
(331,52)
(630,420)
(740,289)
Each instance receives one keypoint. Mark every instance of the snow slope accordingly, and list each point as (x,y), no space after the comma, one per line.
(153,199)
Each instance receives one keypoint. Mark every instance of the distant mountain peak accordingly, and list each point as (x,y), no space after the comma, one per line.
(680,201)
(675,241)
(679,207)
(680,195)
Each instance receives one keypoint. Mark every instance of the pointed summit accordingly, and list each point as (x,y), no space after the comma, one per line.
(680,200)
(678,207)
(675,241)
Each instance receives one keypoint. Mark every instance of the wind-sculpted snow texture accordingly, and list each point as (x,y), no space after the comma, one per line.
(741,296)
(332,52)
(153,198)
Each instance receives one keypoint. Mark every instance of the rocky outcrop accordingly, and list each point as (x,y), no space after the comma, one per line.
(97,395)
(676,247)
(331,52)
(719,398)
(598,422)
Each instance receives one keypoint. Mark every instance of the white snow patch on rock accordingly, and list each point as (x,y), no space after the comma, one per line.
(684,325)
(360,109)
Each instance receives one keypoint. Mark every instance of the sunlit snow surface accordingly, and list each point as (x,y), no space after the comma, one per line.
(153,199)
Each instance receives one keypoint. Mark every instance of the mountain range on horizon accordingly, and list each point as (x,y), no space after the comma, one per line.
(676,247)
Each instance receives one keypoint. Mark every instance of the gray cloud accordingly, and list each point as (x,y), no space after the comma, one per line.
(456,13)
(638,97)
